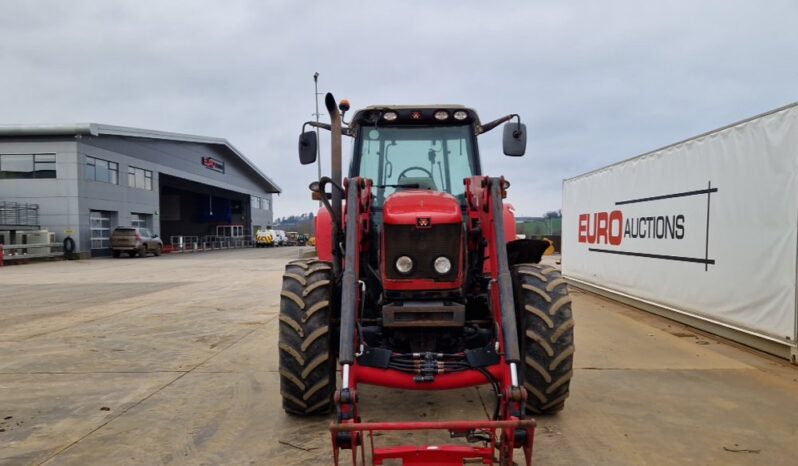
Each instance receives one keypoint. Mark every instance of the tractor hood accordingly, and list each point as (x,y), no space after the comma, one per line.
(422,208)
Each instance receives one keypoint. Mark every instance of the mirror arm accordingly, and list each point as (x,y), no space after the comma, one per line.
(345,131)
(315,125)
(517,133)
(489,126)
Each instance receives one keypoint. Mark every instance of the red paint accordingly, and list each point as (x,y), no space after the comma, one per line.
(615,235)
(583,221)
(423,209)
(405,207)
(509,223)
(601,228)
(445,455)
(324,230)
(397,379)
(420,284)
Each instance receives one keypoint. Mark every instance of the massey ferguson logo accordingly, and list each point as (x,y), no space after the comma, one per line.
(615,229)
(212,164)
(423,222)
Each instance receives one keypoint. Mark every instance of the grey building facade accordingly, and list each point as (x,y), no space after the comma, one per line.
(88,179)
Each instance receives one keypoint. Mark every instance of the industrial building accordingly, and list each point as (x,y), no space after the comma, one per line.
(89,178)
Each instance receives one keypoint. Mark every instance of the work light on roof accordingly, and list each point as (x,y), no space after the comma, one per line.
(460,115)
(389,116)
(441,115)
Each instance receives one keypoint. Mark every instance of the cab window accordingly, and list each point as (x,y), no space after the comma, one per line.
(437,158)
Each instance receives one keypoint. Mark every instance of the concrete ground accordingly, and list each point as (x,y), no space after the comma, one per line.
(173,360)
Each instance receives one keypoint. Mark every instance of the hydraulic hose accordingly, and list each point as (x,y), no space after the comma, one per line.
(504,281)
(349,281)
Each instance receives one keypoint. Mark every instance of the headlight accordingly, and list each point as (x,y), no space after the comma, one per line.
(404,264)
(460,115)
(389,116)
(443,265)
(441,115)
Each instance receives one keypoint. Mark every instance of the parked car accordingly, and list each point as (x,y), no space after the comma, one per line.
(135,241)
(280,238)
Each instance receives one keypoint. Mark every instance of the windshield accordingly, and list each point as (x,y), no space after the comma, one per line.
(436,158)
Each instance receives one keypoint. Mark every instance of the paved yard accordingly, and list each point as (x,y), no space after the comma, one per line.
(173,360)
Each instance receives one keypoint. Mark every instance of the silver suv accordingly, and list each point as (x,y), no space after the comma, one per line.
(135,241)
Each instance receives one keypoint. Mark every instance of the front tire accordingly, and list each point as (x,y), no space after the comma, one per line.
(547,336)
(307,361)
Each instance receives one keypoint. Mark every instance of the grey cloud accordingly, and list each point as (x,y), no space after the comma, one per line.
(596,82)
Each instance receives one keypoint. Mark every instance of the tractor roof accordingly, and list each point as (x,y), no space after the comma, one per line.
(417,107)
(413,115)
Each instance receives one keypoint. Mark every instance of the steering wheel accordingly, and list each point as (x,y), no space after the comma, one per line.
(403,174)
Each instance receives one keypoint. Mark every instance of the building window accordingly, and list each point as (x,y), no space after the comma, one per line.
(256,202)
(27,166)
(267,204)
(101,170)
(139,220)
(100,225)
(139,178)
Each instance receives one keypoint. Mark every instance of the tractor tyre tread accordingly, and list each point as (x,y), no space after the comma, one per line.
(307,361)
(546,336)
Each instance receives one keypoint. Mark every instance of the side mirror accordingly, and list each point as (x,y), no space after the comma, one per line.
(514,139)
(154,235)
(307,147)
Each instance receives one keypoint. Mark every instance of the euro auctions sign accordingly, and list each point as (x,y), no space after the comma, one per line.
(644,228)
(707,227)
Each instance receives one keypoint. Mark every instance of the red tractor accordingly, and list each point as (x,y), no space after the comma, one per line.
(421,284)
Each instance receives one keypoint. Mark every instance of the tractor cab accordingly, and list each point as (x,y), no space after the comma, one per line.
(415,147)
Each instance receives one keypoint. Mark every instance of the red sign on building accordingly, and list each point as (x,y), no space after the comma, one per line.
(212,164)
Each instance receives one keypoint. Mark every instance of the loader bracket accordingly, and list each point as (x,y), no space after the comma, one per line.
(375,357)
(483,357)
(502,435)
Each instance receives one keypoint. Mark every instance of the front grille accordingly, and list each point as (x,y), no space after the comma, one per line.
(423,245)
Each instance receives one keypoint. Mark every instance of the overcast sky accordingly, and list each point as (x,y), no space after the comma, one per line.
(596,82)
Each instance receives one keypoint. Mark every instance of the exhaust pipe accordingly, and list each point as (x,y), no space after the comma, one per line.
(335,168)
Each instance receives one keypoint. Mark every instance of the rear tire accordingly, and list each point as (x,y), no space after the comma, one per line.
(546,328)
(158,250)
(307,361)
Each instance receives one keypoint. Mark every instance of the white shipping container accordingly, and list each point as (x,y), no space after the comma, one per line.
(705,229)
